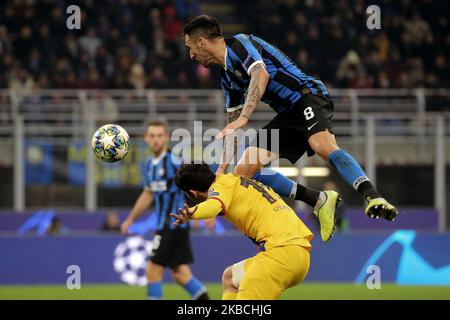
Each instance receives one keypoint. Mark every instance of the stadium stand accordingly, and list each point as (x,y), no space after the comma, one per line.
(136,44)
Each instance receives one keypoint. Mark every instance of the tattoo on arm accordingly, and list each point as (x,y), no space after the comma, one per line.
(253,93)
(233,115)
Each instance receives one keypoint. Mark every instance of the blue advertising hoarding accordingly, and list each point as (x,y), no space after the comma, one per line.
(404,257)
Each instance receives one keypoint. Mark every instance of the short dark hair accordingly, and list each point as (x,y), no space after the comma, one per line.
(159,123)
(194,177)
(205,25)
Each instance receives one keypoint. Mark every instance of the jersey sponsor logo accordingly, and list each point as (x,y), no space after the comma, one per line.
(158,186)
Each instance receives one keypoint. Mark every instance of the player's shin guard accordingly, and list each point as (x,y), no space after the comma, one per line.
(154,291)
(196,289)
(352,173)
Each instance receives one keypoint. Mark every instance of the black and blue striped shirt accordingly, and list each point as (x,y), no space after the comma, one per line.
(283,90)
(167,197)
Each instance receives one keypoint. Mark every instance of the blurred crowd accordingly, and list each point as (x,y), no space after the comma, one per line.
(329,39)
(121,44)
(137,44)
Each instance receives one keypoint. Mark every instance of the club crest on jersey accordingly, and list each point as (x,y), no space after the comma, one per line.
(161,172)
(238,73)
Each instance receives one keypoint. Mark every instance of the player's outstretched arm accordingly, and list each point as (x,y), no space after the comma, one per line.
(205,210)
(257,87)
(142,203)
(184,214)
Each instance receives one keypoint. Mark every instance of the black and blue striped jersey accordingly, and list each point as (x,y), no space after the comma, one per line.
(167,197)
(243,52)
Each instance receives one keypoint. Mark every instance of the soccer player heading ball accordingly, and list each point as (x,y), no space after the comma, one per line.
(258,212)
(254,70)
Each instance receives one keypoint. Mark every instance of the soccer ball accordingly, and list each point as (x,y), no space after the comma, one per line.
(110,143)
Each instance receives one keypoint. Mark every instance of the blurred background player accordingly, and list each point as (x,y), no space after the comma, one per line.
(258,212)
(172,245)
(256,70)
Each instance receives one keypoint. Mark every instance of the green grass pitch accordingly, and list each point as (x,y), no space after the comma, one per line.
(322,291)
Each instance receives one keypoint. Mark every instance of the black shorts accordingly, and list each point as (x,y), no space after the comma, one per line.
(312,114)
(172,247)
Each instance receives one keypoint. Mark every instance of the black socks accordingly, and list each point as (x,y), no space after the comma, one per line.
(368,191)
(308,196)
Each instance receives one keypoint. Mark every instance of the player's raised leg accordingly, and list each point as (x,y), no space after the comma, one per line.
(324,144)
(154,273)
(251,165)
(183,276)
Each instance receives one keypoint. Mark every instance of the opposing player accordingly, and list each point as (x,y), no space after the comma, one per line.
(258,212)
(172,243)
(254,70)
